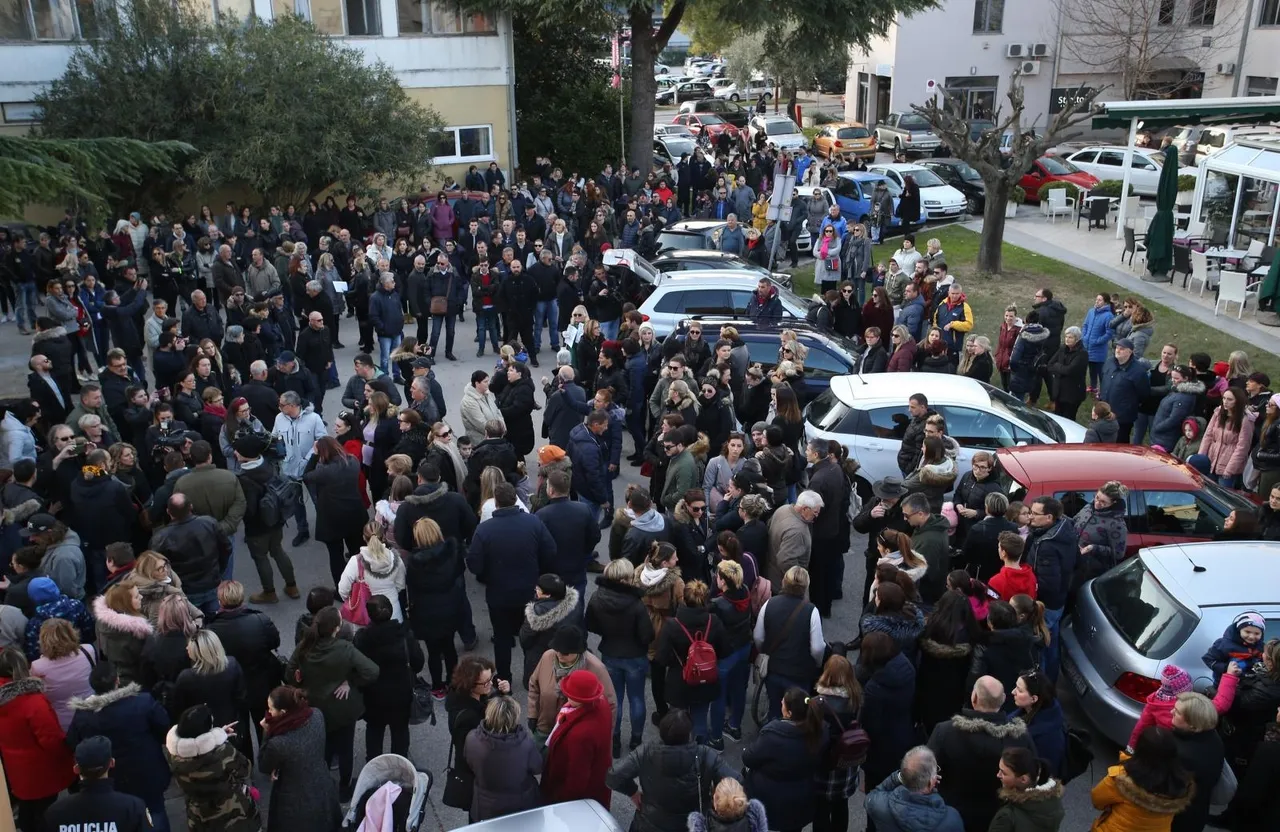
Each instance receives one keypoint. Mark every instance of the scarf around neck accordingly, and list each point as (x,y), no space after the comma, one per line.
(287,721)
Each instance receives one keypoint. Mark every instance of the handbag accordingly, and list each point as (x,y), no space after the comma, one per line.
(458,785)
(1225,788)
(440,303)
(421,707)
(761,662)
(353,609)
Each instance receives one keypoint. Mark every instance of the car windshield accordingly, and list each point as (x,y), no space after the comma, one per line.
(913,123)
(676,145)
(826,412)
(681,240)
(1230,500)
(1142,611)
(967,173)
(925,178)
(853,133)
(1009,406)
(780,127)
(1058,167)
(978,128)
(710,118)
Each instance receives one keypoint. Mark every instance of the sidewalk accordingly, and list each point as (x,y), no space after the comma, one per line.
(1099,253)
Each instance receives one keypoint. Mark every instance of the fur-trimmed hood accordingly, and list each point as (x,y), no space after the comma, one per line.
(938,650)
(663,585)
(681,513)
(437,490)
(11,690)
(108,619)
(1145,800)
(189,748)
(993,725)
(1034,333)
(939,475)
(50,334)
(545,613)
(1195,387)
(101,700)
(1048,791)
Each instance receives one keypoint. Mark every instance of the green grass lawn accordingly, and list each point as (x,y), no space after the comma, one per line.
(1025,271)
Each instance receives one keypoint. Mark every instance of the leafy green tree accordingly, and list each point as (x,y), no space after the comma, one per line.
(80,172)
(566,108)
(276,108)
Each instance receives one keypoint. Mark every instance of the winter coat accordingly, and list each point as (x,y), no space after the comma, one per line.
(385,579)
(904,628)
(385,313)
(506,767)
(1095,333)
(894,808)
(1053,317)
(545,699)
(1202,754)
(903,359)
(1178,405)
(224,692)
(886,715)
(1005,656)
(121,639)
(60,606)
(1035,809)
(1068,370)
(476,410)
(1007,340)
(340,513)
(1124,387)
(617,613)
(1052,553)
(1048,730)
(37,760)
(1102,431)
(435,589)
(1108,534)
(331,662)
(946,666)
(578,754)
(1227,448)
(672,648)
(909,452)
(137,725)
(933,481)
(735,611)
(215,779)
(930,540)
(663,596)
(506,553)
(517,404)
(1011,581)
(65,679)
(301,787)
(790,543)
(1127,807)
(968,747)
(543,618)
(669,776)
(391,646)
(781,768)
(1030,353)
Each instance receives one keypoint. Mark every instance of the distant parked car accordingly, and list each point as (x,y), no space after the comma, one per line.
(845,140)
(779,132)
(1107,162)
(961,176)
(938,199)
(750,91)
(710,123)
(1048,169)
(683,91)
(727,110)
(722,294)
(906,133)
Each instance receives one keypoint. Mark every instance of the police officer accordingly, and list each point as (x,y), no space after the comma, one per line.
(97,807)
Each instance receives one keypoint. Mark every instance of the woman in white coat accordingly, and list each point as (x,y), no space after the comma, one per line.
(383,572)
(478,406)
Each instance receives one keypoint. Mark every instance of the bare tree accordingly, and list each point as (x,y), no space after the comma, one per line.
(1140,42)
(1001,171)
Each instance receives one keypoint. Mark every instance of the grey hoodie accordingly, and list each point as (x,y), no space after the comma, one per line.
(64,563)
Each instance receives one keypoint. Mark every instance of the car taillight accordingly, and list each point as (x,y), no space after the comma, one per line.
(1136,687)
(839,143)
(643,318)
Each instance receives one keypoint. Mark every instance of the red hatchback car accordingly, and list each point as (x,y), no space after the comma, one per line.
(710,122)
(1168,502)
(1052,169)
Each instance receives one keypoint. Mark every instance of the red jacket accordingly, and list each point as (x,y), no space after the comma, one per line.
(1009,582)
(580,754)
(1004,350)
(32,743)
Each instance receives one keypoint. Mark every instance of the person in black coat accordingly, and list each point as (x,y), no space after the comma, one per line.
(970,497)
(334,478)
(496,450)
(1007,650)
(315,352)
(888,687)
(689,532)
(783,762)
(1067,371)
(877,514)
(517,403)
(392,646)
(250,637)
(617,613)
(574,528)
(946,651)
(672,648)
(216,680)
(1258,793)
(553,608)
(437,597)
(980,553)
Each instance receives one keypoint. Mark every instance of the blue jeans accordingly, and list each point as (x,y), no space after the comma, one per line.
(548,312)
(735,670)
(628,676)
(206,602)
(1052,656)
(229,573)
(487,321)
(387,344)
(610,329)
(25,293)
(449,323)
(1229,480)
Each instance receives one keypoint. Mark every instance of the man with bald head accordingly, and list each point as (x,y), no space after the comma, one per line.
(968,748)
(197,550)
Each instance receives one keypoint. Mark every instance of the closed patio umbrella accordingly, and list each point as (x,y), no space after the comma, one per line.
(1160,232)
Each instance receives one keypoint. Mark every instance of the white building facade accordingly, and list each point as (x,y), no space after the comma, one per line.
(459,64)
(1194,49)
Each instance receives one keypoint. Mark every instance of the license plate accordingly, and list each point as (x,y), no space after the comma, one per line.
(1077,680)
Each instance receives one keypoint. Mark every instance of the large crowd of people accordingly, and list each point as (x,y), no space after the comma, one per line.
(176,420)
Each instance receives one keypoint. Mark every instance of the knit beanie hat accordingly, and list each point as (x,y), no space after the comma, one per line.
(1249,619)
(1173,681)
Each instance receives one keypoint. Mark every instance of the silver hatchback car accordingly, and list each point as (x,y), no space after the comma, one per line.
(1165,605)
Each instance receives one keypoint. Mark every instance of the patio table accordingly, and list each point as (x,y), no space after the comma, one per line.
(1226,253)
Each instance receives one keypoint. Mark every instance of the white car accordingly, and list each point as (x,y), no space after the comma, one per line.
(718,84)
(868,414)
(713,294)
(681,130)
(750,91)
(937,198)
(779,131)
(1107,162)
(805,243)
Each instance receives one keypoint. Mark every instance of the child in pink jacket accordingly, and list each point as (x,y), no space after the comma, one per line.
(1173,681)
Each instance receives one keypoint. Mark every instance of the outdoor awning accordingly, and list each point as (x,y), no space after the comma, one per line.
(1172,63)
(1173,112)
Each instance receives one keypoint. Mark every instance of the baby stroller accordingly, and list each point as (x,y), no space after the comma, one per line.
(408,807)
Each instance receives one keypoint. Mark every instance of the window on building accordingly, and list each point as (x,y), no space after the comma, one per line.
(442,17)
(241,10)
(1166,13)
(26,20)
(988,15)
(334,17)
(1256,85)
(54,19)
(1270,14)
(976,92)
(1203,12)
(25,112)
(465,144)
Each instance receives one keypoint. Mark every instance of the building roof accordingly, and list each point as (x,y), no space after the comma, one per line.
(1173,112)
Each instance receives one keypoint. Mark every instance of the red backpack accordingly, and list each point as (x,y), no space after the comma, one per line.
(700,666)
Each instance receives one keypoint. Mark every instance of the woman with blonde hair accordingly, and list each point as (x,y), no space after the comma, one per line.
(617,613)
(382,571)
(216,680)
(490,478)
(122,629)
(733,607)
(155,581)
(64,665)
(681,400)
(437,597)
(975,360)
(165,657)
(381,434)
(506,762)
(1239,368)
(730,809)
(903,358)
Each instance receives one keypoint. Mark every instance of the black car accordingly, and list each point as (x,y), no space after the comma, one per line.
(730,111)
(687,91)
(830,355)
(961,176)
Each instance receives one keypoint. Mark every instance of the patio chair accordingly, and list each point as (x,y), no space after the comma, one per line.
(1098,209)
(1234,287)
(1218,237)
(1181,263)
(1252,254)
(1148,211)
(1133,244)
(1131,205)
(1059,203)
(1200,270)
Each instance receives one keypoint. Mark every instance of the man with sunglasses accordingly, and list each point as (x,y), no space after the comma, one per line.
(929,537)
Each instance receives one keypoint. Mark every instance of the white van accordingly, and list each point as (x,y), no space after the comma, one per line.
(1194,144)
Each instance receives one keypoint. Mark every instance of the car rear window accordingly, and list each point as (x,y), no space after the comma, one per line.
(1144,614)
(852,133)
(826,412)
(913,123)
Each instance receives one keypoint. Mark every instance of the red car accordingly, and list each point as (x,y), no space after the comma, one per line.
(712,123)
(1052,169)
(1168,502)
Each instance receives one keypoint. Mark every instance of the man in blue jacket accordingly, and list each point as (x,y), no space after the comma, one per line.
(589,450)
(505,555)
(387,318)
(574,528)
(1125,383)
(1052,550)
(912,313)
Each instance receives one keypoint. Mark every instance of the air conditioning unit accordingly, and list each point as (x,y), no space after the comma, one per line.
(1227,69)
(1015,50)
(1039,50)
(1029,68)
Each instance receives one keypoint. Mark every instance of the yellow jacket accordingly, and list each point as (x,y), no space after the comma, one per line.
(758,211)
(1127,807)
